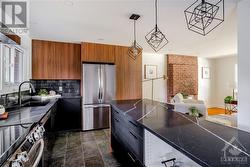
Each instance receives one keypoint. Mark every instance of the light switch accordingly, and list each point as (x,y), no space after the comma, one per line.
(60,88)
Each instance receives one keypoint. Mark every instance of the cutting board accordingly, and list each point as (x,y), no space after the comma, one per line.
(4,116)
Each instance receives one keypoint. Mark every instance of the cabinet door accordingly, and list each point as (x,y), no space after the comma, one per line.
(55,60)
(43,60)
(97,53)
(68,116)
(68,61)
(128,75)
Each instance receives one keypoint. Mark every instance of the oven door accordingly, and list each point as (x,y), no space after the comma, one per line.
(35,154)
(30,152)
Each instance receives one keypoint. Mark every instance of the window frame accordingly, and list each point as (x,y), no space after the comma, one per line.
(11,84)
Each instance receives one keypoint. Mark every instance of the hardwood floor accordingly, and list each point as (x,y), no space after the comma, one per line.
(79,149)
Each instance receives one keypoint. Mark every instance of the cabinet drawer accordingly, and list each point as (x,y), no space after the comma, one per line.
(135,144)
(135,127)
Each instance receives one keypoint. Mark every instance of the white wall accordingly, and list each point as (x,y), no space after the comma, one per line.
(221,82)
(160,86)
(224,79)
(244,64)
(206,86)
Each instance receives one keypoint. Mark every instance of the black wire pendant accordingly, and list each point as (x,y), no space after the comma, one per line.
(203,16)
(135,49)
(155,38)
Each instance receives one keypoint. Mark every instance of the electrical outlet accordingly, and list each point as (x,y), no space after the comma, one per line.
(60,88)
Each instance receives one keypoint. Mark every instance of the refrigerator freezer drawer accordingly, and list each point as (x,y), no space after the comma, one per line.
(95,116)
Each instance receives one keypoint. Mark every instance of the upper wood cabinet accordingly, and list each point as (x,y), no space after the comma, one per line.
(55,60)
(128,75)
(97,53)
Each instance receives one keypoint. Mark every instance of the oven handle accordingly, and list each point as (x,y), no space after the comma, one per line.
(38,158)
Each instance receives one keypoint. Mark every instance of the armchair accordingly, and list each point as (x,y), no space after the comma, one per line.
(182,105)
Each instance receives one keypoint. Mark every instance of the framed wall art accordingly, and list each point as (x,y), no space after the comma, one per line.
(150,71)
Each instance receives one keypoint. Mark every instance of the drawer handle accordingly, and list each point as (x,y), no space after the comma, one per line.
(164,162)
(117,120)
(131,158)
(133,123)
(133,135)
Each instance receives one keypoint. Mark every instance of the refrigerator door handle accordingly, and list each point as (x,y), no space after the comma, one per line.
(102,82)
(99,84)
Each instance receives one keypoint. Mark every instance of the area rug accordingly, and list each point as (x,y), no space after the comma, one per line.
(224,119)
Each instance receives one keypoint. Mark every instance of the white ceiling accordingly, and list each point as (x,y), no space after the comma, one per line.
(107,21)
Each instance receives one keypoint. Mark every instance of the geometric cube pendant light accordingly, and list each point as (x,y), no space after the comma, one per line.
(155,38)
(135,49)
(203,16)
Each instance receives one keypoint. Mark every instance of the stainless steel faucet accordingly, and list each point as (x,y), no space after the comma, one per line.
(20,94)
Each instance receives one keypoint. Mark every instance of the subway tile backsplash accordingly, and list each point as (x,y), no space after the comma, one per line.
(63,87)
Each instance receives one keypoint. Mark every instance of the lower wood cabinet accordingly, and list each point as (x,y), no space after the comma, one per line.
(126,140)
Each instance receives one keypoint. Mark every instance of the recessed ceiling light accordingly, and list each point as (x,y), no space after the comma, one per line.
(68,3)
(100,39)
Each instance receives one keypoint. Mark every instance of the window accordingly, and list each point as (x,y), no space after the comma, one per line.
(11,69)
(18,65)
(7,65)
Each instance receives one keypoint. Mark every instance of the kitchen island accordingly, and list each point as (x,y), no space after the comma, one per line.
(157,134)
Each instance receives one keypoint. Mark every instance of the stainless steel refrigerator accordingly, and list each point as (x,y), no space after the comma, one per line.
(98,90)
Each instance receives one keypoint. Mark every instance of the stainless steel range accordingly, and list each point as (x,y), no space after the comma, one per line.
(28,153)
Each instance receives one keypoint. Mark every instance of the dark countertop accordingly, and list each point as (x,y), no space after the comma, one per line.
(200,140)
(27,115)
(20,121)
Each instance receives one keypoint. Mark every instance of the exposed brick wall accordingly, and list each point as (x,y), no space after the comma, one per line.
(182,75)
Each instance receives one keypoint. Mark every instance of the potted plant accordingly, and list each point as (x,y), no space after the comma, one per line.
(43,92)
(193,111)
(228,99)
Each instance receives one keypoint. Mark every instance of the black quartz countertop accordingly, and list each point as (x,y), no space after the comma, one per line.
(207,143)
(14,129)
(27,115)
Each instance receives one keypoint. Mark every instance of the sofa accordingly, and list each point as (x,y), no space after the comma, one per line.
(183,105)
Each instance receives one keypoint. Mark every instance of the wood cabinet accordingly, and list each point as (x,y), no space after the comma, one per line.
(128,75)
(128,70)
(97,53)
(55,60)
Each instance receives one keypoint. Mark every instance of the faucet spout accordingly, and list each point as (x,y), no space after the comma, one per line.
(20,93)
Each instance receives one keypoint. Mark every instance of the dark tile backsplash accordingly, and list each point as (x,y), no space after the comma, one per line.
(69,87)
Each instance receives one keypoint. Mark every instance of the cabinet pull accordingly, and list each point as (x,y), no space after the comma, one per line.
(133,135)
(131,158)
(164,162)
(133,123)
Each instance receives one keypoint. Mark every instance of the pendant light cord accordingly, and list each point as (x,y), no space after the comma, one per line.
(156,12)
(134,31)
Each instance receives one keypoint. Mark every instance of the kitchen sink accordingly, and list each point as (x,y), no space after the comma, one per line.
(35,103)
(31,103)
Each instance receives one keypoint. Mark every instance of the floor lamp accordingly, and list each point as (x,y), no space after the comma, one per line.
(152,85)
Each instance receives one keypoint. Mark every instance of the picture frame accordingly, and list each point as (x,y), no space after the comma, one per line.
(205,72)
(150,71)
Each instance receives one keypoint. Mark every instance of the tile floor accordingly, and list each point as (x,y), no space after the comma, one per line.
(79,149)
